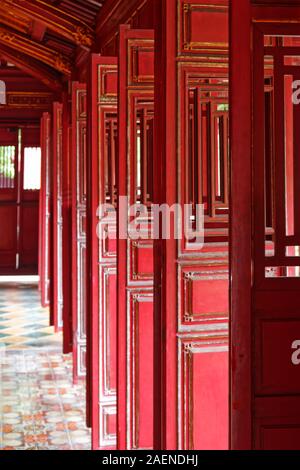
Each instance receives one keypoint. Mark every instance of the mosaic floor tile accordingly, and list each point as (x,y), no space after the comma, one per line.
(40,408)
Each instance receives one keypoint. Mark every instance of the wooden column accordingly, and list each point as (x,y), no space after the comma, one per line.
(240,105)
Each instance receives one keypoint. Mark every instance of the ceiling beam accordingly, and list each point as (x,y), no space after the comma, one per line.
(25,63)
(55,18)
(38,31)
(36,50)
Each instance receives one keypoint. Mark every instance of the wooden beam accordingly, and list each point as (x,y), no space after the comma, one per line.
(36,50)
(50,78)
(38,31)
(106,21)
(55,18)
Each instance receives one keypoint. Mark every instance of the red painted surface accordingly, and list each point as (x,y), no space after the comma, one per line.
(191,322)
(167,366)
(265,383)
(79,191)
(135,286)
(101,259)
(20,209)
(240,112)
(45,212)
(57,217)
(67,224)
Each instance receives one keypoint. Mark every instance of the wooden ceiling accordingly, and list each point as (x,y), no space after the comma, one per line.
(44,37)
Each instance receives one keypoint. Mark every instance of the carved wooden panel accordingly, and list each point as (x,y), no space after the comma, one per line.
(276,231)
(135,256)
(204,26)
(57,216)
(265,406)
(192,282)
(45,210)
(79,184)
(102,328)
(202,390)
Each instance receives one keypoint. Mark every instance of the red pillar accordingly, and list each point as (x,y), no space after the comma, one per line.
(240,106)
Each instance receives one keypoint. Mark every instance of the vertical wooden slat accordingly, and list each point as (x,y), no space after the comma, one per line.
(240,262)
(57,217)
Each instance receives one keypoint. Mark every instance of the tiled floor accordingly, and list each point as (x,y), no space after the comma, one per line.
(40,408)
(24,324)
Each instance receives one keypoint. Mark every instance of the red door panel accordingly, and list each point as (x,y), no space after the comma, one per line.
(265,331)
(101,259)
(191,280)
(19,205)
(29,235)
(135,257)
(45,211)
(9,195)
(57,217)
(8,237)
(79,228)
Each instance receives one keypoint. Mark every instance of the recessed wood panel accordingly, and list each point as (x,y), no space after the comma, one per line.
(8,234)
(204,26)
(135,254)
(102,318)
(140,357)
(274,354)
(204,393)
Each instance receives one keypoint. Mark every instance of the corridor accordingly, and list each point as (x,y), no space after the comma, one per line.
(40,408)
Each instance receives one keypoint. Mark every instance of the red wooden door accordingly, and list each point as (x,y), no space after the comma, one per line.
(45,211)
(265,254)
(9,195)
(101,286)
(79,228)
(67,224)
(191,277)
(30,181)
(135,257)
(19,198)
(57,217)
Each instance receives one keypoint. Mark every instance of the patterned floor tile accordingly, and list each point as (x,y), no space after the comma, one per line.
(40,408)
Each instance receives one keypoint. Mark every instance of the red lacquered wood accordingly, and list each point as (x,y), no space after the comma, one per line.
(57,217)
(41,210)
(20,209)
(265,307)
(67,225)
(191,321)
(240,119)
(79,185)
(45,212)
(135,277)
(101,254)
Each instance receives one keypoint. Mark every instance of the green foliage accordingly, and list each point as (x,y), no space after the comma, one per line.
(7,162)
(223,107)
